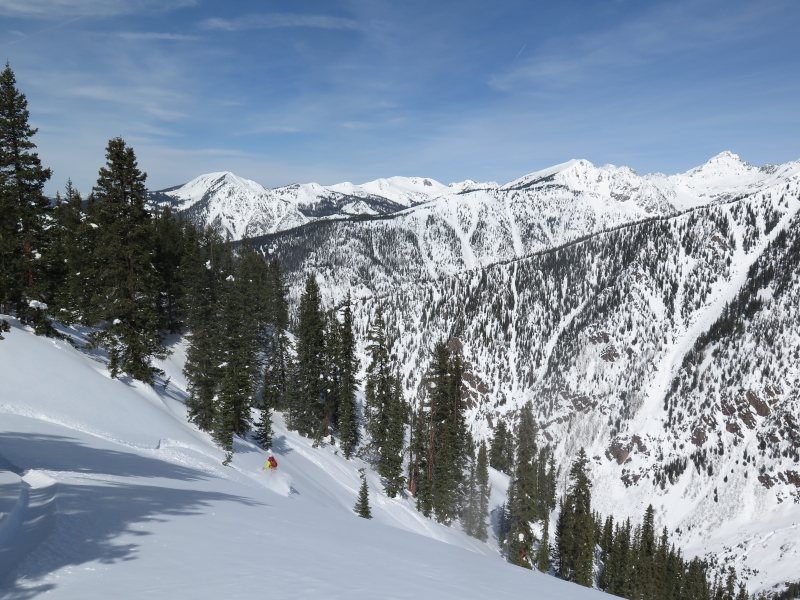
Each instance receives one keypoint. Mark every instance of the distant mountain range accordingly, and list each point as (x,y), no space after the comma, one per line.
(653,320)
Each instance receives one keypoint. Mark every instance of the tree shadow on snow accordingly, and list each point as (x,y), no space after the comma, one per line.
(91,518)
(62,453)
(279,445)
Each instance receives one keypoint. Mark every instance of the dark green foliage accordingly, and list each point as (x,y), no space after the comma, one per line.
(384,410)
(475,509)
(170,248)
(245,321)
(347,365)
(543,551)
(639,566)
(501,455)
(207,265)
(274,394)
(263,434)
(25,211)
(575,532)
(309,384)
(72,251)
(126,284)
(439,438)
(362,505)
(484,492)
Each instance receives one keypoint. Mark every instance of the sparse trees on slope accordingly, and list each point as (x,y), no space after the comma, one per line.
(362,508)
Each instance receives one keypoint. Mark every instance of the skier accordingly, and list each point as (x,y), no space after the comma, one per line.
(272,464)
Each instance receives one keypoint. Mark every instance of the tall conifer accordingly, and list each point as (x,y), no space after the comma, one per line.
(24,208)
(348,382)
(126,289)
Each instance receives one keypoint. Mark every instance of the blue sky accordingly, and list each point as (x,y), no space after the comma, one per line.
(330,91)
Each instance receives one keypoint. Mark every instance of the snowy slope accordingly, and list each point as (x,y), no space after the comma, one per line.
(106,491)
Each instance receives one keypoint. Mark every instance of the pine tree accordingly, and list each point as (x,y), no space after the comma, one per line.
(245,320)
(391,464)
(24,208)
(170,247)
(333,349)
(443,439)
(469,517)
(420,463)
(126,290)
(348,382)
(310,385)
(264,432)
(274,394)
(208,264)
(543,551)
(73,251)
(384,409)
(501,455)
(484,493)
(362,508)
(575,534)
(527,483)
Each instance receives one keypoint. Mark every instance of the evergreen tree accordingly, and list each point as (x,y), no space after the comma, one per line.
(384,409)
(245,320)
(526,505)
(439,439)
(543,551)
(333,349)
(274,394)
(362,508)
(170,247)
(575,535)
(484,493)
(348,382)
(469,519)
(264,432)
(308,407)
(73,249)
(208,264)
(126,293)
(501,455)
(24,208)
(419,474)
(444,443)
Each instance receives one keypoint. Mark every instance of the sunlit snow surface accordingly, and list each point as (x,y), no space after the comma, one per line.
(107,492)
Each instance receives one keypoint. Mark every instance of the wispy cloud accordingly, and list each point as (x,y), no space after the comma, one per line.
(57,9)
(154,35)
(676,28)
(276,20)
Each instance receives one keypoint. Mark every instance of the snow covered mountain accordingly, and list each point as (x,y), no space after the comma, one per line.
(615,304)
(243,208)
